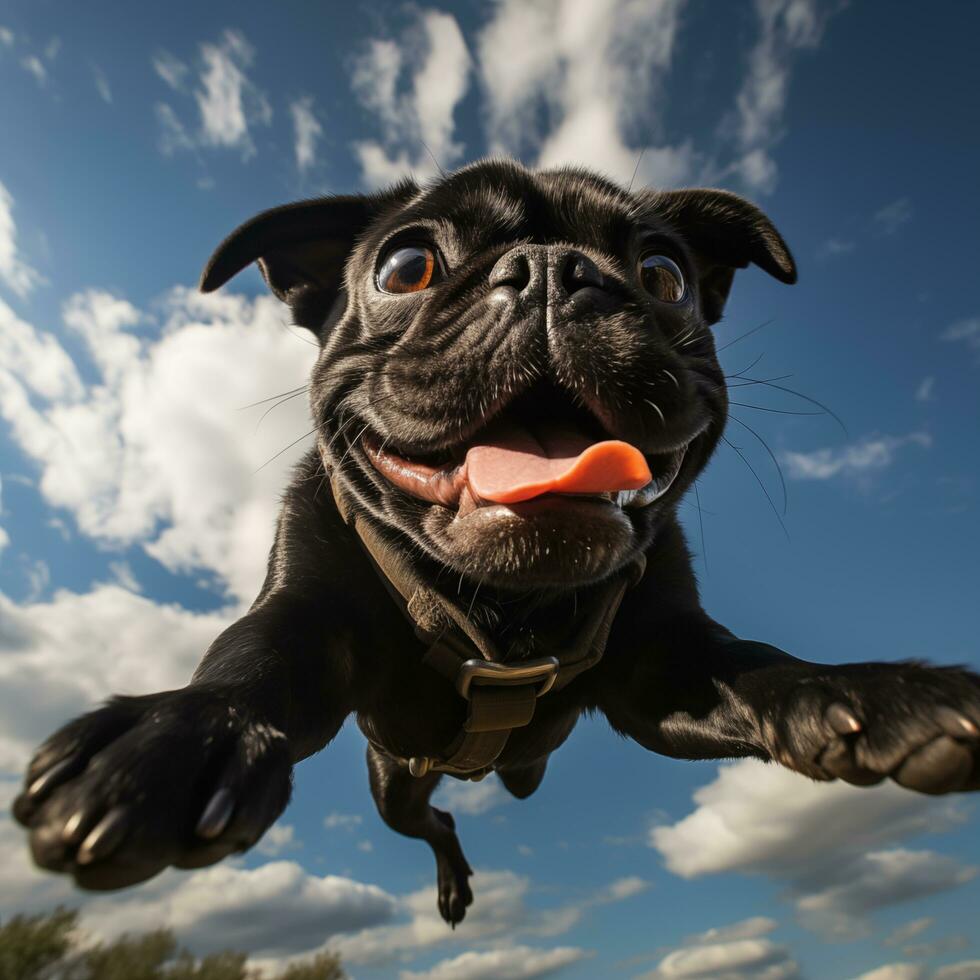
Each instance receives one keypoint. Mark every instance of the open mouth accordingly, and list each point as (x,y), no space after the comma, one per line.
(540,445)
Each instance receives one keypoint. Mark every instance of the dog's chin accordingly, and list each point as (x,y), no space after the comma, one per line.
(550,542)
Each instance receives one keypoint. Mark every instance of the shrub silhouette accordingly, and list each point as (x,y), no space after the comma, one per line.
(46,947)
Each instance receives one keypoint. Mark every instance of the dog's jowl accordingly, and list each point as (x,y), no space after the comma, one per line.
(517,384)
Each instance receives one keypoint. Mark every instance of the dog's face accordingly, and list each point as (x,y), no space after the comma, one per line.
(499,328)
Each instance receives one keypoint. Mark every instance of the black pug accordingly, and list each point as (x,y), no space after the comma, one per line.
(516,386)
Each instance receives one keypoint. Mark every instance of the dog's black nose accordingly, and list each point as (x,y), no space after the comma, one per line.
(549,274)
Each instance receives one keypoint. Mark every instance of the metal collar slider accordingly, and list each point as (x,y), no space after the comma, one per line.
(544,671)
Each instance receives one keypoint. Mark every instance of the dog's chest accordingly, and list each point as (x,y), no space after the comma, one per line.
(412,710)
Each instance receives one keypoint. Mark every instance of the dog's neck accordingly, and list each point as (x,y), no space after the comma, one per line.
(506,627)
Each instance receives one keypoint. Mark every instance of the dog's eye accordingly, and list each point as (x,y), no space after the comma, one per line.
(408,269)
(662,278)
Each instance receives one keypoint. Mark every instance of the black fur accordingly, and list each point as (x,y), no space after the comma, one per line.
(186,777)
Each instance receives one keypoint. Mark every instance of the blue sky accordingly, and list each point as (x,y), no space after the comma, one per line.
(135,510)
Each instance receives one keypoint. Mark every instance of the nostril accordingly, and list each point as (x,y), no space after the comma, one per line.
(512,269)
(578,272)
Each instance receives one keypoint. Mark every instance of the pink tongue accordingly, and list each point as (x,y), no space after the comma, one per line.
(512,463)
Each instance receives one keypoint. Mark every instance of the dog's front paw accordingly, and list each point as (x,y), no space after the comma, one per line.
(918,725)
(180,778)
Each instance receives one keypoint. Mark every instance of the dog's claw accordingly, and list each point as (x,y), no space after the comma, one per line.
(77,826)
(59,772)
(216,814)
(956,724)
(105,838)
(842,719)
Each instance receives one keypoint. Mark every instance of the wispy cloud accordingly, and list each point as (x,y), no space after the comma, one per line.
(6,37)
(171,69)
(346,820)
(438,62)
(102,84)
(924,392)
(892,216)
(835,246)
(964,332)
(785,27)
(229,104)
(307,130)
(857,460)
(33,65)
(570,83)
(17,274)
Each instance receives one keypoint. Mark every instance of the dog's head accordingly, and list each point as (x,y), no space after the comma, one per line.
(517,369)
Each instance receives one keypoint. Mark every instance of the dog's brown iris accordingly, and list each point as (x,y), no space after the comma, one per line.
(662,278)
(407,270)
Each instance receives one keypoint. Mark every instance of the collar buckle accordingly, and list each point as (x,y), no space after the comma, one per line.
(543,671)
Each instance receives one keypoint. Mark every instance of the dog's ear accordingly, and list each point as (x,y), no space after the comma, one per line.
(725,232)
(302,249)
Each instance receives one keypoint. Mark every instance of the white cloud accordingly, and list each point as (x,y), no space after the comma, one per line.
(753,928)
(469,797)
(277,909)
(895,971)
(875,880)
(924,392)
(33,360)
(500,911)
(827,841)
(966,332)
(307,129)
(423,113)
(508,963)
(937,947)
(15,273)
(965,970)
(172,134)
(278,838)
(858,460)
(102,85)
(346,820)
(573,82)
(6,37)
(158,452)
(33,65)
(227,101)
(742,959)
(909,931)
(229,104)
(171,69)
(785,27)
(835,246)
(4,537)
(567,80)
(64,655)
(123,575)
(892,216)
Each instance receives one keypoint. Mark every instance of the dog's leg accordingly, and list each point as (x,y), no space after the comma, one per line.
(524,781)
(188,776)
(692,690)
(403,802)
